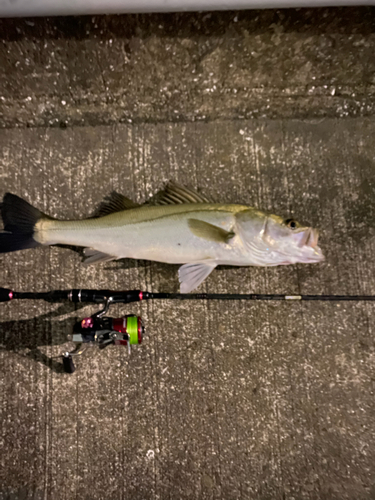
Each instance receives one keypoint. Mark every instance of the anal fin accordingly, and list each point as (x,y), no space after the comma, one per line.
(192,275)
(92,256)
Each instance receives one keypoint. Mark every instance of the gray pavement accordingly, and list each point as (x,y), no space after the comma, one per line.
(222,400)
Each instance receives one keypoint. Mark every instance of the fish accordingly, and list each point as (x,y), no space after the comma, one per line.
(176,226)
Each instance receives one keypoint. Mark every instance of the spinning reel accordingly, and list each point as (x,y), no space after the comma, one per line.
(102,331)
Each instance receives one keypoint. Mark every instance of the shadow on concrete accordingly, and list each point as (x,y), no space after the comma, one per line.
(36,332)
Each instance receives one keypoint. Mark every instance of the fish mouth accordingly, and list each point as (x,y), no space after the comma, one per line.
(307,237)
(308,243)
(312,240)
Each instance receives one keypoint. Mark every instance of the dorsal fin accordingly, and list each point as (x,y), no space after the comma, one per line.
(115,202)
(174,194)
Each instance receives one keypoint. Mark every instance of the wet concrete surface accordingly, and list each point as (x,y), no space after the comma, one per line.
(222,400)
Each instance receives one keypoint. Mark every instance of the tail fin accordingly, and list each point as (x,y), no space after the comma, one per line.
(19,218)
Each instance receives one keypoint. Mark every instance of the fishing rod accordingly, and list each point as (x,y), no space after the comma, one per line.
(125,297)
(102,331)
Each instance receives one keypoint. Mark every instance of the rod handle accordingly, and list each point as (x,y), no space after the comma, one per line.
(100,296)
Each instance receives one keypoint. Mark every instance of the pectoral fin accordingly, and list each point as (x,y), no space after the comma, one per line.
(209,232)
(192,275)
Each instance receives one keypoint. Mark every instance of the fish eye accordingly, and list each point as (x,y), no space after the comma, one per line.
(291,223)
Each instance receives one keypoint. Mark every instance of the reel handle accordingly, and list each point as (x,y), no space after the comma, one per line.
(68,363)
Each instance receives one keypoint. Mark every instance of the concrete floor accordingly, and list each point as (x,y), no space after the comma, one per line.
(223,400)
